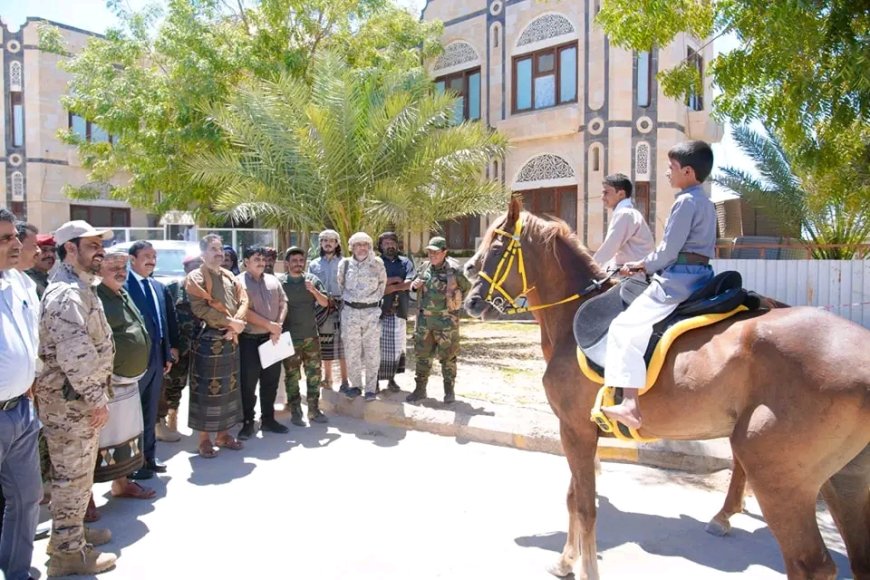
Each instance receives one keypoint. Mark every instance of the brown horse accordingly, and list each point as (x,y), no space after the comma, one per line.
(790,387)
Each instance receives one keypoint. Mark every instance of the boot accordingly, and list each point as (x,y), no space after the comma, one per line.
(419,392)
(93,536)
(315,415)
(172,421)
(449,395)
(296,412)
(88,561)
(393,387)
(163,433)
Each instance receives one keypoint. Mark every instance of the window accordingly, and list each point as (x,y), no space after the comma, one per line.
(560,202)
(87,130)
(644,78)
(17,119)
(695,101)
(595,153)
(641,200)
(462,233)
(466,86)
(101,216)
(545,78)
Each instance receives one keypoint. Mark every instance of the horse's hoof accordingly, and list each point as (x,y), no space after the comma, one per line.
(559,570)
(717,528)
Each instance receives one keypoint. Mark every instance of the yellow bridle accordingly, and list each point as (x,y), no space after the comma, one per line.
(513,252)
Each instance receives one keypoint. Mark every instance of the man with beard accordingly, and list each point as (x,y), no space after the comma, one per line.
(158,310)
(271,256)
(325,268)
(305,292)
(72,392)
(394,309)
(45,260)
(19,465)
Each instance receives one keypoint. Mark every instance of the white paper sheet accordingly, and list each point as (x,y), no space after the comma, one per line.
(270,352)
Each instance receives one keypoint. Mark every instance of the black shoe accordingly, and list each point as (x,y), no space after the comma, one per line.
(154,466)
(247,431)
(273,426)
(393,387)
(141,474)
(353,392)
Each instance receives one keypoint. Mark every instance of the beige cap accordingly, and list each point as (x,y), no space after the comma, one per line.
(79,229)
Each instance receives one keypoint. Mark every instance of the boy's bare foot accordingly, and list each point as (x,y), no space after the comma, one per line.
(628,417)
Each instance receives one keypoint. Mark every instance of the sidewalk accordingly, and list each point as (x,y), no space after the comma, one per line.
(521,428)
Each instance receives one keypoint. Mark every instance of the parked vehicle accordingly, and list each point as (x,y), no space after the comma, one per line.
(170,254)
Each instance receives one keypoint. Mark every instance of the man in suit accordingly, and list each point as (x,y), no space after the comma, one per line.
(151,298)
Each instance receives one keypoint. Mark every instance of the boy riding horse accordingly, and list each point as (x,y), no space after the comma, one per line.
(680,265)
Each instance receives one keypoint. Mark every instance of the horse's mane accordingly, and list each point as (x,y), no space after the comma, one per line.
(547,231)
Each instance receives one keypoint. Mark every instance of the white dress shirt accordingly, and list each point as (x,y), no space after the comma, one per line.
(19,335)
(153,298)
(628,238)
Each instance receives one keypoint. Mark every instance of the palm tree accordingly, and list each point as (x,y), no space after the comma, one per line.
(832,219)
(354,150)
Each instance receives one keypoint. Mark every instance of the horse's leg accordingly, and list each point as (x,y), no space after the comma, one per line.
(580,451)
(720,524)
(848,499)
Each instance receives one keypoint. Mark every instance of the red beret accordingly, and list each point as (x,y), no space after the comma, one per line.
(45,240)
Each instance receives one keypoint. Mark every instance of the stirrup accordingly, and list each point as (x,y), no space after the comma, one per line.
(604,398)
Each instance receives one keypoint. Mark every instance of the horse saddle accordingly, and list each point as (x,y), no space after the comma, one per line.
(722,295)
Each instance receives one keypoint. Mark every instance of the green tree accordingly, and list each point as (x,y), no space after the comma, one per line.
(799,67)
(149,82)
(357,150)
(826,207)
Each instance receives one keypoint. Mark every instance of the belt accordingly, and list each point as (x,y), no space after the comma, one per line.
(361,305)
(692,259)
(10,404)
(253,336)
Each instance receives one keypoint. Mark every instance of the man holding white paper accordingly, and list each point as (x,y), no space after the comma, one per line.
(305,295)
(266,312)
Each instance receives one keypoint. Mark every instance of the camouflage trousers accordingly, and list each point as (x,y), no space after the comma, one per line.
(173,385)
(361,337)
(72,446)
(442,343)
(307,356)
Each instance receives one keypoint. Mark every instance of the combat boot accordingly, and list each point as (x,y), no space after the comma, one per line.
(449,395)
(93,536)
(172,421)
(296,412)
(315,415)
(419,392)
(88,561)
(165,434)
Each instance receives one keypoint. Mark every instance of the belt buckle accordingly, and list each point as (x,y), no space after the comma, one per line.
(10,404)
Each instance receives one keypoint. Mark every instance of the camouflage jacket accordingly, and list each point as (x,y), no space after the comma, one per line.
(362,281)
(75,341)
(432,299)
(41,280)
(188,324)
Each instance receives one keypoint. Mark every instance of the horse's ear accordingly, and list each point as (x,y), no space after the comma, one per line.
(514,208)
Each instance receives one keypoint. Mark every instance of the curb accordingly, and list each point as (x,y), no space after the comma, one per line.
(522,429)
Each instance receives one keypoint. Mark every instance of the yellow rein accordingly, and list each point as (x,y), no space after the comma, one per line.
(513,251)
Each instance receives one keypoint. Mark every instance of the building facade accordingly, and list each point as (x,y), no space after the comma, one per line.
(35,165)
(574,107)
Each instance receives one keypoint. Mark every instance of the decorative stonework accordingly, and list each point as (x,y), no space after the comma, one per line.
(644,124)
(596,126)
(641,162)
(17,186)
(16,76)
(13,46)
(456,54)
(545,167)
(495,8)
(15,160)
(547,26)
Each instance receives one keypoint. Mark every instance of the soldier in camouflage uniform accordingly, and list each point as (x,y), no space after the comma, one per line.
(305,294)
(440,288)
(77,353)
(176,380)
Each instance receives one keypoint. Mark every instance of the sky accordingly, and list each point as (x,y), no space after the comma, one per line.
(94,16)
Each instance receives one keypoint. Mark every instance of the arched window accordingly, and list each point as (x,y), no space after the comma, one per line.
(595,158)
(644,78)
(496,31)
(17,186)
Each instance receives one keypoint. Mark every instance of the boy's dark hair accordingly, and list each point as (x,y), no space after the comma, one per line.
(22,228)
(61,248)
(207,240)
(253,251)
(695,154)
(138,246)
(293,251)
(619,182)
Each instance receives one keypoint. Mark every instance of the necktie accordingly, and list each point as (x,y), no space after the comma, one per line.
(152,308)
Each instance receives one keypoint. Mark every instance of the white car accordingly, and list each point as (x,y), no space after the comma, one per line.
(170,254)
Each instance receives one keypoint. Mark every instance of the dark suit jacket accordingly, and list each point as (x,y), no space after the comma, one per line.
(166,312)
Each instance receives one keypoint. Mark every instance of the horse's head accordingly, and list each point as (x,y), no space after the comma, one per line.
(497,268)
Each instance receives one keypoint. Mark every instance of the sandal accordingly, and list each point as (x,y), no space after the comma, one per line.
(206,450)
(136,491)
(229,443)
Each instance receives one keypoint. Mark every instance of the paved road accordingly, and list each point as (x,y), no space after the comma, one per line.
(356,501)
